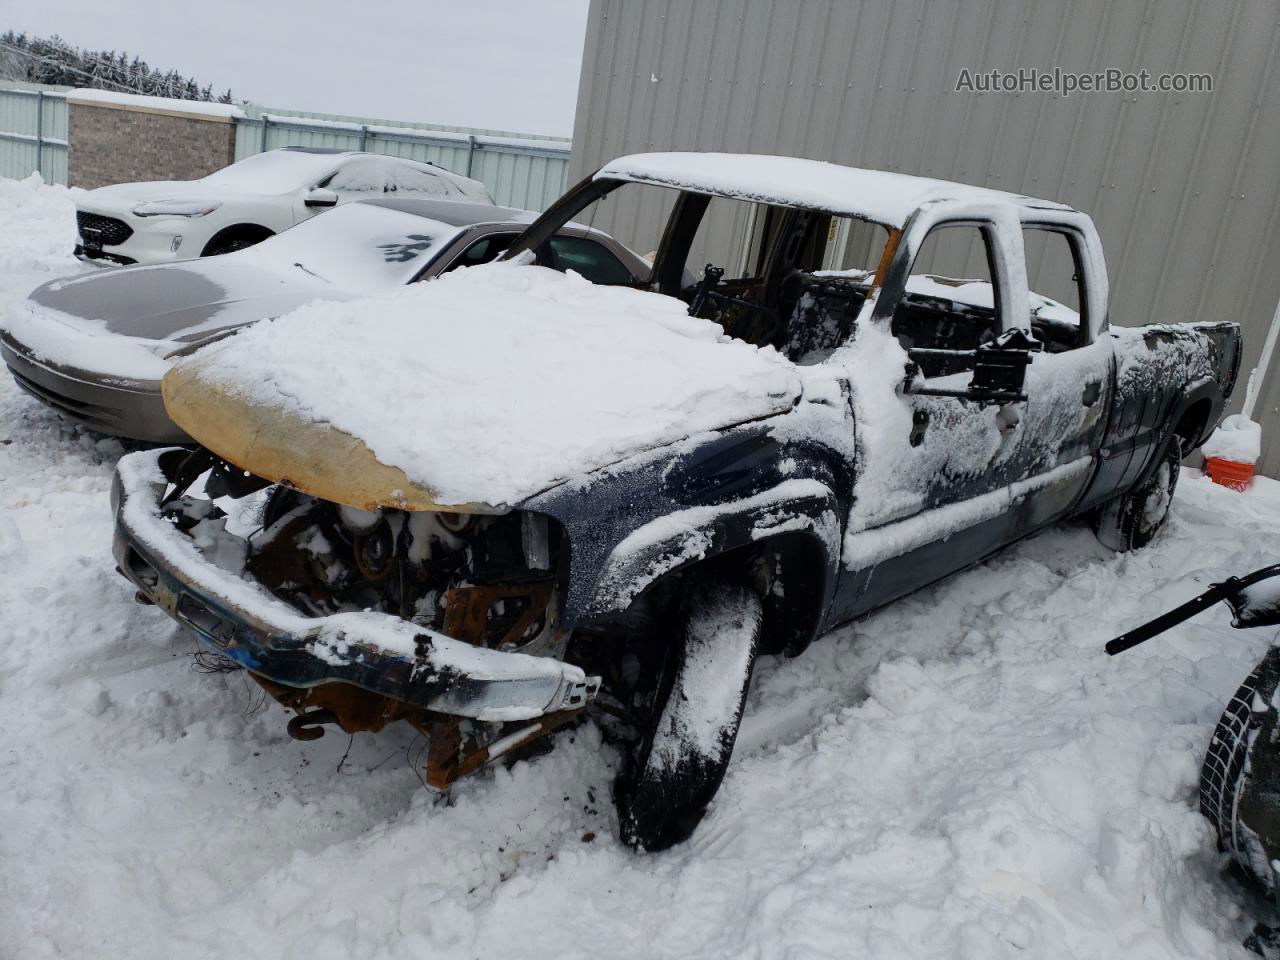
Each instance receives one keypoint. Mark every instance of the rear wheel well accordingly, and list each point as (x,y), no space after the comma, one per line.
(1191,425)
(239,235)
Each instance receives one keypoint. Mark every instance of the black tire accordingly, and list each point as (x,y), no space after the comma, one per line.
(233,239)
(701,690)
(1241,773)
(1131,521)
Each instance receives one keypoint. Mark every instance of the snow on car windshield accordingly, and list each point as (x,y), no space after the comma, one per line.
(358,246)
(387,175)
(275,171)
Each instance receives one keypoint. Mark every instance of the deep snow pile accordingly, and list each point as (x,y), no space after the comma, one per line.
(39,234)
(963,775)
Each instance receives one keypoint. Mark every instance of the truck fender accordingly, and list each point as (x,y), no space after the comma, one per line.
(806,510)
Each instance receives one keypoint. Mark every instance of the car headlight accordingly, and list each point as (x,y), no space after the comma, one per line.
(176,208)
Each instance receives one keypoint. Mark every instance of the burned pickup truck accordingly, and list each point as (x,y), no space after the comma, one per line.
(492,505)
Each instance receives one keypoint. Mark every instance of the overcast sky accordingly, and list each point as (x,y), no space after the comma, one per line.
(506,64)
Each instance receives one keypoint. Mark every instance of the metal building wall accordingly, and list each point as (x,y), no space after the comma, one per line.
(1185,188)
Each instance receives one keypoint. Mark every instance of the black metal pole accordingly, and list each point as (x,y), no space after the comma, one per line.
(1216,593)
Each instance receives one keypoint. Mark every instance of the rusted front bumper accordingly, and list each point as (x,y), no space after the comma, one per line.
(377,652)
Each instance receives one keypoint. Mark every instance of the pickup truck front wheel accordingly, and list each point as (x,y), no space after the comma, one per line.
(1131,521)
(701,690)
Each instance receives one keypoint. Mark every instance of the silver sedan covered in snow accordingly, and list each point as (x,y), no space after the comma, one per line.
(95,346)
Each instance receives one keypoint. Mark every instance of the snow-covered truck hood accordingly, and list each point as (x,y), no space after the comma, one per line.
(475,391)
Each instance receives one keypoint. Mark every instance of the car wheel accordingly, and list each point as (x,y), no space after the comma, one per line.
(700,693)
(1131,521)
(233,239)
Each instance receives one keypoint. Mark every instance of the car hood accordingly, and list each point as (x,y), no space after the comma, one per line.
(475,391)
(189,301)
(119,194)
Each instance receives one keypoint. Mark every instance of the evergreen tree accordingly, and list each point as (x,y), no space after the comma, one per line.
(54,61)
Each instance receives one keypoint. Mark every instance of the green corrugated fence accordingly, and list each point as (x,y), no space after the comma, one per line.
(33,131)
(519,170)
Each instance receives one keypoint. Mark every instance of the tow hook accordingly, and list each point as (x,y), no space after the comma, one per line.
(310,725)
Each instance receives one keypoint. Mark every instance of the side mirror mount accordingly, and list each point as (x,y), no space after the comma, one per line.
(999,369)
(711,277)
(321,197)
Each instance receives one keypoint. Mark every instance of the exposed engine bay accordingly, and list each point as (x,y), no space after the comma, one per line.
(487,579)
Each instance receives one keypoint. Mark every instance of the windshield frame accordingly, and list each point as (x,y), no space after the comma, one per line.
(667,276)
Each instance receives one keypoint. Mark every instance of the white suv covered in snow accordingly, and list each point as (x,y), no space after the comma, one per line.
(247,201)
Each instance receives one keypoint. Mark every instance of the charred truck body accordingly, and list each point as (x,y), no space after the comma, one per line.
(906,425)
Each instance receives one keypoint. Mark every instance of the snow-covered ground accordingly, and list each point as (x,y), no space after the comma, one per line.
(963,775)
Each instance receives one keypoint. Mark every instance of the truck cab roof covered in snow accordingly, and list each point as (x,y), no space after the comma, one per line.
(877,195)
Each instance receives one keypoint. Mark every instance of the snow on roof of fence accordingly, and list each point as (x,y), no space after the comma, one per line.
(391,131)
(878,195)
(133,101)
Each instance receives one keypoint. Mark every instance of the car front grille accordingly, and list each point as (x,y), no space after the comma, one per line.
(109,229)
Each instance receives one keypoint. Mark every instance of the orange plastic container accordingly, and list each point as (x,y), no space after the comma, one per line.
(1229,473)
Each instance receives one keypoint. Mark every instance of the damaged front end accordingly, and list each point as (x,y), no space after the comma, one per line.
(447,621)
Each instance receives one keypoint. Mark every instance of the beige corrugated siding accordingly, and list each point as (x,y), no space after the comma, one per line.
(1185,188)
